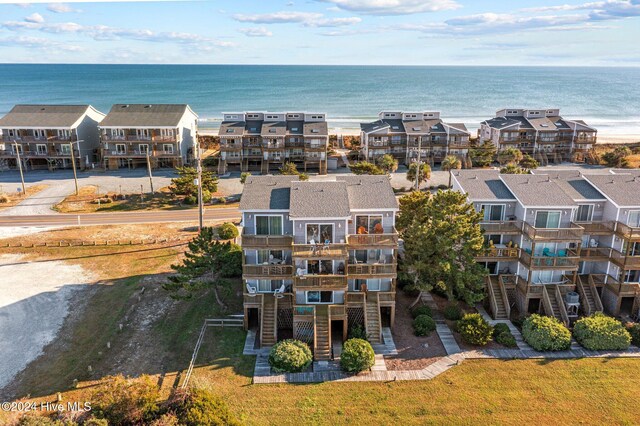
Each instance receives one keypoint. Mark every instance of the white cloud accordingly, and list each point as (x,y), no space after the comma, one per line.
(278,17)
(334,22)
(61,8)
(35,18)
(38,43)
(394,7)
(256,32)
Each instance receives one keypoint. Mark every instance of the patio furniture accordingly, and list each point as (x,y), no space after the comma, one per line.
(279,293)
(252,290)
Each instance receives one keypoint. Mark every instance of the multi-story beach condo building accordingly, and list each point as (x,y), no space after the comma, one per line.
(319,257)
(43,136)
(402,134)
(164,133)
(542,133)
(561,243)
(264,141)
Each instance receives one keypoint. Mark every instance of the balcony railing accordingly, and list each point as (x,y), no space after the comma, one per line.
(134,138)
(625,262)
(595,254)
(613,284)
(569,260)
(507,227)
(320,250)
(573,233)
(320,281)
(371,269)
(598,228)
(336,311)
(364,240)
(266,241)
(498,253)
(267,270)
(628,232)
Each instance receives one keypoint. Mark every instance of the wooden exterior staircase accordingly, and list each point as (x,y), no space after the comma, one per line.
(269,327)
(322,334)
(553,303)
(372,318)
(590,300)
(498,300)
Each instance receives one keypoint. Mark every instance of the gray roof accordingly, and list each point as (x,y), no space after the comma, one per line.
(319,199)
(537,191)
(574,185)
(370,192)
(622,189)
(316,128)
(267,193)
(231,128)
(273,128)
(457,128)
(295,127)
(483,185)
(390,124)
(43,116)
(144,115)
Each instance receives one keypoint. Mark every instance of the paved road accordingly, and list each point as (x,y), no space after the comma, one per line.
(230,213)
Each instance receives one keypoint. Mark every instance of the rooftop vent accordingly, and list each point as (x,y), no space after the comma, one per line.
(124,106)
(416,129)
(147,106)
(314,130)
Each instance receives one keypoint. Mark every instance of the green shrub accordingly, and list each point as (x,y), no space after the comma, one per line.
(191,199)
(453,312)
(126,401)
(411,290)
(358,332)
(500,328)
(600,332)
(199,407)
(244,176)
(545,333)
(404,279)
(421,310)
(357,355)
(39,420)
(506,339)
(290,356)
(92,421)
(423,325)
(227,231)
(475,330)
(634,331)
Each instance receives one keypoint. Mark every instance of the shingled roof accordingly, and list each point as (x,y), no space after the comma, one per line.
(537,190)
(267,193)
(483,185)
(145,115)
(43,116)
(622,189)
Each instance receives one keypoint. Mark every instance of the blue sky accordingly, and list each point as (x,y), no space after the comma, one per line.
(360,32)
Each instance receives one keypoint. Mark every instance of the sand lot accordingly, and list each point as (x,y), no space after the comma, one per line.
(34,300)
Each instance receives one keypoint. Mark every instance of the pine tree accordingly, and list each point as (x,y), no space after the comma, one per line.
(425,172)
(365,168)
(206,265)
(184,183)
(483,155)
(388,163)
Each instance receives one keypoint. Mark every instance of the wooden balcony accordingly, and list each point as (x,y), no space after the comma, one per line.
(373,240)
(315,146)
(505,227)
(320,251)
(266,241)
(371,269)
(568,262)
(598,228)
(627,232)
(338,312)
(320,282)
(137,138)
(595,254)
(624,261)
(386,298)
(496,254)
(138,154)
(271,271)
(573,233)
(614,285)
(355,298)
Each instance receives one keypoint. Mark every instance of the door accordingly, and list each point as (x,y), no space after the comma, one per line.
(634,219)
(493,212)
(584,213)
(547,219)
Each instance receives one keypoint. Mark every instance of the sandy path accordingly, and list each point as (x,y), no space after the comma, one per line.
(33,304)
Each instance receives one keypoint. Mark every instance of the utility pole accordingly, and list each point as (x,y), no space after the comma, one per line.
(149,169)
(73,165)
(20,167)
(418,163)
(199,184)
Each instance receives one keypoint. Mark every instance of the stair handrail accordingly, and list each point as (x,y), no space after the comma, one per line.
(492,296)
(505,298)
(583,295)
(596,296)
(546,302)
(563,309)
(275,319)
(378,315)
(315,332)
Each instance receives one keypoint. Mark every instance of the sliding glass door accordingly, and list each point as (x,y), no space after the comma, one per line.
(547,219)
(268,225)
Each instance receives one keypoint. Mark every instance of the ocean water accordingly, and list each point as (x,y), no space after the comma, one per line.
(607,98)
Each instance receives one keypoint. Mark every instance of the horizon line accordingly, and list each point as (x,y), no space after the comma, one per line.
(326,65)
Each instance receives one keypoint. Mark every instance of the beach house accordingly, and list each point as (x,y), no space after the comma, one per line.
(559,242)
(405,134)
(543,134)
(264,141)
(165,134)
(319,257)
(49,136)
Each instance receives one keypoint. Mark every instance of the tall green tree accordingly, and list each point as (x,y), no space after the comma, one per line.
(365,168)
(413,207)
(207,264)
(528,162)
(483,155)
(388,163)
(513,169)
(617,157)
(425,173)
(441,245)
(450,163)
(510,155)
(184,183)
(291,169)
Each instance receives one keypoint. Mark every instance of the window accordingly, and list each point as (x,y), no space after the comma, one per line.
(121,148)
(495,239)
(319,297)
(493,211)
(167,148)
(65,149)
(144,148)
(63,134)
(547,219)
(584,213)
(318,233)
(320,267)
(270,256)
(268,286)
(634,219)
(41,149)
(369,224)
(12,133)
(38,134)
(142,133)
(18,150)
(268,225)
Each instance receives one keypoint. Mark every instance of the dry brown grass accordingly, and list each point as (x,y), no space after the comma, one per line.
(14,199)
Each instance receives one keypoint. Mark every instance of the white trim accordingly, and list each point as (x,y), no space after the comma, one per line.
(319,218)
(306,297)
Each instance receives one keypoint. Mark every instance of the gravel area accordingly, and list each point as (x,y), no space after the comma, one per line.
(33,305)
